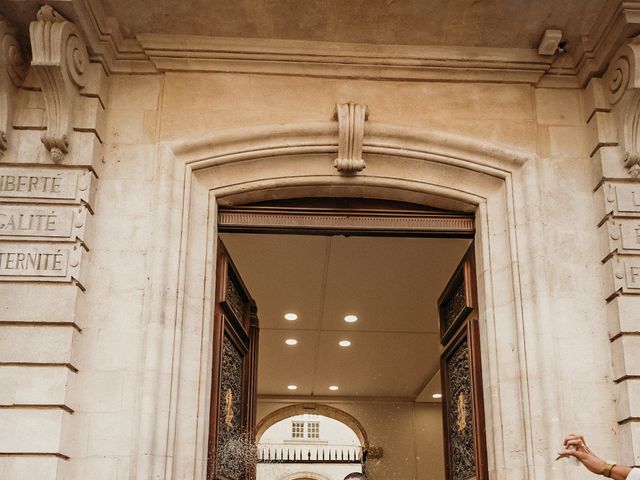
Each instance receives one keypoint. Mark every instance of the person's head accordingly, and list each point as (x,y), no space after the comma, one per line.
(355,476)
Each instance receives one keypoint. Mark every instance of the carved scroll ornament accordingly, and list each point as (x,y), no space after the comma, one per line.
(59,61)
(351,119)
(12,71)
(632,155)
(622,81)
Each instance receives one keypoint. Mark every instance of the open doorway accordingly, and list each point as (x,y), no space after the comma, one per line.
(307,444)
(352,321)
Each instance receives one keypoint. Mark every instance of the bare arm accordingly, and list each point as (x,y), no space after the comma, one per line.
(575,446)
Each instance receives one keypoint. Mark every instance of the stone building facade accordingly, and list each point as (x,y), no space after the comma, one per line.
(118,146)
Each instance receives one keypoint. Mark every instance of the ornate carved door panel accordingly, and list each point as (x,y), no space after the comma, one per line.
(462,406)
(235,356)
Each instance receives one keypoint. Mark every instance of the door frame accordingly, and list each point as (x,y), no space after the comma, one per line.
(304,216)
(345,216)
(292,161)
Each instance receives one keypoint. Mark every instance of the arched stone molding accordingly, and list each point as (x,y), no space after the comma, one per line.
(305,476)
(238,144)
(316,409)
(288,161)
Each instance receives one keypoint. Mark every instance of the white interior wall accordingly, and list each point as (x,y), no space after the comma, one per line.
(410,435)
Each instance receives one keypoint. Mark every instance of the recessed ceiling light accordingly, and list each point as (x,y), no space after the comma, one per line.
(291,341)
(344,343)
(290,316)
(351,318)
(333,388)
(437,395)
(292,387)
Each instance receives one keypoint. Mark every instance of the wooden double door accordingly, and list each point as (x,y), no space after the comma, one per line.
(231,454)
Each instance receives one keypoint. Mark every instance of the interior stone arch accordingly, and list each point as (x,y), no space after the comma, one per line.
(317,409)
(305,476)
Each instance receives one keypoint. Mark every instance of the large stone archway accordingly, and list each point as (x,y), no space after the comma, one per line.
(318,409)
(295,161)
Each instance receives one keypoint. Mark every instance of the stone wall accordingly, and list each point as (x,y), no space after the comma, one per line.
(104,339)
(48,207)
(611,112)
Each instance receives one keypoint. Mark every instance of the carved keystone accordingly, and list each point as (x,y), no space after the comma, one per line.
(12,71)
(351,118)
(59,60)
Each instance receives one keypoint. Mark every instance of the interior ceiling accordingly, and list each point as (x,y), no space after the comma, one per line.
(490,23)
(392,284)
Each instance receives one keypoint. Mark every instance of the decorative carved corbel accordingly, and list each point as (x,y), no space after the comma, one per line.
(632,156)
(622,81)
(351,118)
(59,61)
(12,71)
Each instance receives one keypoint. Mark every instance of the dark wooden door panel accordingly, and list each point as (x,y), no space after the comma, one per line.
(234,375)
(461,375)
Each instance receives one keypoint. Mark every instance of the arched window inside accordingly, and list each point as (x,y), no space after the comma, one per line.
(310,444)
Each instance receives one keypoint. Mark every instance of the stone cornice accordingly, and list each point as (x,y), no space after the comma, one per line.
(106,43)
(618,22)
(151,53)
(325,59)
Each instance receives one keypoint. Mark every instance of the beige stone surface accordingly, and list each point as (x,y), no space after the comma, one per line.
(626,356)
(227,101)
(558,107)
(35,344)
(31,430)
(26,307)
(541,167)
(19,467)
(425,23)
(624,315)
(38,385)
(628,448)
(628,391)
